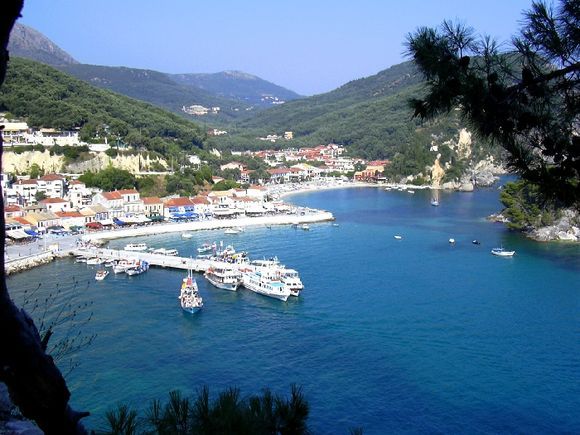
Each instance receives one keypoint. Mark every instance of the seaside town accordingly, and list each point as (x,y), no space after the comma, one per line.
(56,203)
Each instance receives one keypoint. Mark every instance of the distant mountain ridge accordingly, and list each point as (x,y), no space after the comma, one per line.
(234,92)
(154,87)
(31,44)
(238,85)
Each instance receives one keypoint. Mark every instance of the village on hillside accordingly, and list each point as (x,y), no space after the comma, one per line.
(61,203)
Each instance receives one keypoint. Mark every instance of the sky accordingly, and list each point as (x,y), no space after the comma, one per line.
(308,46)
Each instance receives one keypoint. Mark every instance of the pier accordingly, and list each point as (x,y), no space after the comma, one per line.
(159,260)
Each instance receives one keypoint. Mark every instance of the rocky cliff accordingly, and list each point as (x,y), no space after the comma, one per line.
(20,163)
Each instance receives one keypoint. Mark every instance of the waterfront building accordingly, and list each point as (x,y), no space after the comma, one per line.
(152,206)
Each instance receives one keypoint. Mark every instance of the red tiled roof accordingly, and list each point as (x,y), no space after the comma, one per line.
(128,191)
(177,202)
(112,195)
(76,182)
(51,177)
(27,181)
(152,200)
(12,208)
(68,214)
(277,171)
(53,201)
(21,220)
(200,200)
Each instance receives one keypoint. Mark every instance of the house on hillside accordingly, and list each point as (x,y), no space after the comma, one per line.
(55,204)
(26,190)
(53,185)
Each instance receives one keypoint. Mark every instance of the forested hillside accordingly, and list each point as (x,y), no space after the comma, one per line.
(46,97)
(156,88)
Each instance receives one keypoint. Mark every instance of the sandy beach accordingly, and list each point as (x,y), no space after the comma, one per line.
(289,219)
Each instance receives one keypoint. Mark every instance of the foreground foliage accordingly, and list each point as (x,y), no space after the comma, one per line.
(228,413)
(526,100)
(526,207)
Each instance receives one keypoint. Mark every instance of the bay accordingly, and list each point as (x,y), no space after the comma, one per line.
(410,335)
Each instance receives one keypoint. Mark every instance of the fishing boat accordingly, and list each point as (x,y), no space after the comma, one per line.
(189,297)
(186,235)
(262,284)
(137,247)
(501,252)
(101,274)
(225,278)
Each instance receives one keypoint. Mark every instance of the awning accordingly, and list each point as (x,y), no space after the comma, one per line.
(31,233)
(106,222)
(118,221)
(18,234)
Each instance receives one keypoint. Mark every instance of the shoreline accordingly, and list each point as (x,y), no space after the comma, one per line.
(214,224)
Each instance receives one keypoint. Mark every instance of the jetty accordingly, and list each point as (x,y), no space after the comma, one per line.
(159,260)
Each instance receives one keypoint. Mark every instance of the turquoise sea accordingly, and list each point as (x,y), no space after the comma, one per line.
(411,335)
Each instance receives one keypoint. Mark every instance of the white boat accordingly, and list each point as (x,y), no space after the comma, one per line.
(122,265)
(135,247)
(226,278)
(335,225)
(304,227)
(189,297)
(452,241)
(398,237)
(140,268)
(501,252)
(291,280)
(95,260)
(434,203)
(264,285)
(206,247)
(186,235)
(101,274)
(232,231)
(81,259)
(163,251)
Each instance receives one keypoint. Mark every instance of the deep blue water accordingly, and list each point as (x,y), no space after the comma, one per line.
(413,335)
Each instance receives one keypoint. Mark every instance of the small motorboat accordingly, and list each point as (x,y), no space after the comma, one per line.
(501,252)
(305,227)
(434,203)
(398,237)
(186,235)
(476,242)
(101,274)
(452,241)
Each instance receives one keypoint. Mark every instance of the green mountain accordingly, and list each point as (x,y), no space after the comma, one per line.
(240,86)
(31,44)
(47,97)
(156,88)
(370,115)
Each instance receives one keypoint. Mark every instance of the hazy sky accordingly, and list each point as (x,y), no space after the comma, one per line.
(309,46)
